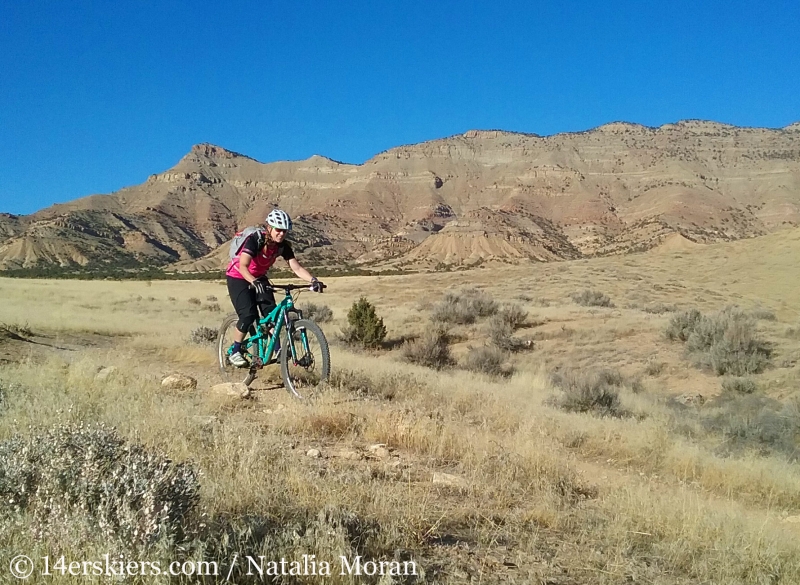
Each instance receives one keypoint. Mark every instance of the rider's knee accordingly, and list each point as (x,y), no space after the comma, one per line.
(245,322)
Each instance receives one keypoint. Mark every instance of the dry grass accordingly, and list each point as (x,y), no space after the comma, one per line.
(480,478)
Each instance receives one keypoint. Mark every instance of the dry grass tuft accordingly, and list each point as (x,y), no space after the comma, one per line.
(333,423)
(386,386)
(15,330)
(203,335)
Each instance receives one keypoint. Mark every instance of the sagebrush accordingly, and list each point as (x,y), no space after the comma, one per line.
(593,391)
(727,342)
(318,313)
(432,350)
(592,298)
(71,475)
(488,360)
(464,307)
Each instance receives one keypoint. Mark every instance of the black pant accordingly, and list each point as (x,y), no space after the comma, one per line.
(245,303)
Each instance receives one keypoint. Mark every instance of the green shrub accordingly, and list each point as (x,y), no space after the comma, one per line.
(592,298)
(365,328)
(432,350)
(463,307)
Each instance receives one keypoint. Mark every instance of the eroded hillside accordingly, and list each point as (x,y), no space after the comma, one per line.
(480,196)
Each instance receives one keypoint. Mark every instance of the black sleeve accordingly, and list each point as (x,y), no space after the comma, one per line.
(250,245)
(287,253)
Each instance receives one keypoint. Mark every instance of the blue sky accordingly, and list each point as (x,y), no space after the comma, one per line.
(97,95)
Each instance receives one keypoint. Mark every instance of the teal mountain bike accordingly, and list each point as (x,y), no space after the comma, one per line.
(299,344)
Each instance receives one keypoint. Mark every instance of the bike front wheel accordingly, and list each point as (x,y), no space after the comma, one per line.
(305,358)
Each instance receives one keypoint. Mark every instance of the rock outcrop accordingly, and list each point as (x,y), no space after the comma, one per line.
(472,197)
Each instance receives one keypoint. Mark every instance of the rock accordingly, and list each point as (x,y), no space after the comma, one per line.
(205,421)
(379,450)
(449,480)
(347,454)
(792,519)
(105,373)
(313,453)
(393,469)
(235,389)
(690,398)
(179,382)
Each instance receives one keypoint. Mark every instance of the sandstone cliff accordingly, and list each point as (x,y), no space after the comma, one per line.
(482,195)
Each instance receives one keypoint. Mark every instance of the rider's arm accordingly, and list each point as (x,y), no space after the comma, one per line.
(244,267)
(299,270)
(248,252)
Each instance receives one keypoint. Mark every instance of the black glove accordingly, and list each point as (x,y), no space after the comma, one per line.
(317,285)
(258,286)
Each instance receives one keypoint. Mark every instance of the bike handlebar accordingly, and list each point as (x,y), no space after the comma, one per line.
(290,287)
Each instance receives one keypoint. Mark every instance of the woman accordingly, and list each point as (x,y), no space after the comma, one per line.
(246,272)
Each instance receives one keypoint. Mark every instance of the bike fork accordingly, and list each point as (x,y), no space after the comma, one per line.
(304,342)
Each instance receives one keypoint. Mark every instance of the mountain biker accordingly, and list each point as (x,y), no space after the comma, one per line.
(246,275)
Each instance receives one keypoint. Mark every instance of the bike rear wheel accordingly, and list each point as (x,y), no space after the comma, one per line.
(224,344)
(310,364)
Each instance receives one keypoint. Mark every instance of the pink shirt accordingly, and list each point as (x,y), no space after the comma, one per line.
(262,259)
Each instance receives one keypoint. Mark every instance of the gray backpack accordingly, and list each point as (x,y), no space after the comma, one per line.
(240,237)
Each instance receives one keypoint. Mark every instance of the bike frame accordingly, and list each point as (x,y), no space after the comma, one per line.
(278,318)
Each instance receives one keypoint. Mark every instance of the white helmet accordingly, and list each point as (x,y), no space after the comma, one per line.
(279,219)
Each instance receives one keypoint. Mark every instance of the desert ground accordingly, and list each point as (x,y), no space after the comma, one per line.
(594,449)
